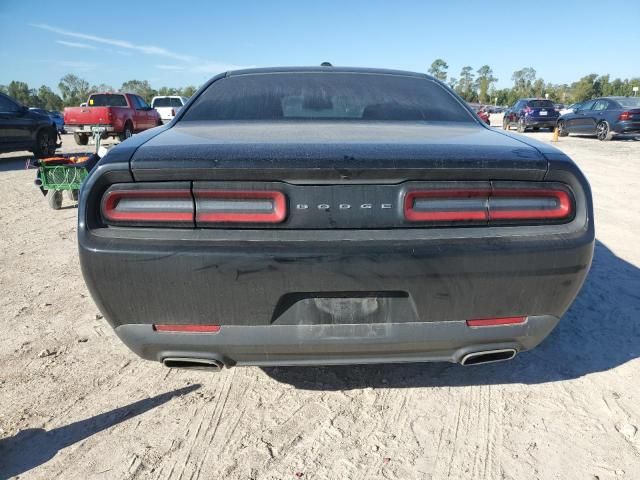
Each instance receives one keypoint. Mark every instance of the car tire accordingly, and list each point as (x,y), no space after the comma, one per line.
(126,133)
(562,129)
(45,143)
(54,197)
(81,138)
(521,126)
(603,131)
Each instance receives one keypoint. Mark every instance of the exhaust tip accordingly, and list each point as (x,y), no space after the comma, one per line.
(488,356)
(208,364)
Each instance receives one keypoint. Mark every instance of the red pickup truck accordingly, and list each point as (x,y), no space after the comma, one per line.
(121,114)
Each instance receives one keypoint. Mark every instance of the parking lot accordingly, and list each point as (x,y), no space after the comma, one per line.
(76,403)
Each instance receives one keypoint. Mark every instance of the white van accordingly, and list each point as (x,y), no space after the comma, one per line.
(168,106)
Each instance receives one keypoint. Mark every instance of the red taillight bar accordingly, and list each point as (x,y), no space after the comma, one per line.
(494,322)
(146,210)
(460,205)
(187,328)
(223,208)
(624,116)
(561,209)
(468,205)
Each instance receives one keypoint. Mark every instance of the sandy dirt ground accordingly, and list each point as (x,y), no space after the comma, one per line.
(76,404)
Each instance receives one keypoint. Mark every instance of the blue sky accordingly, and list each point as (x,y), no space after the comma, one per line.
(180,43)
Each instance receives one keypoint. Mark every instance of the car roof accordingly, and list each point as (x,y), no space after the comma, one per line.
(375,71)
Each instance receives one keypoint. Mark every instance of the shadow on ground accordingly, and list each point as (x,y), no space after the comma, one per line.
(35,446)
(600,331)
(10,164)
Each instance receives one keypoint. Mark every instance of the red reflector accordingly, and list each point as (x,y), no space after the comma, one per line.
(148,205)
(236,206)
(188,328)
(492,322)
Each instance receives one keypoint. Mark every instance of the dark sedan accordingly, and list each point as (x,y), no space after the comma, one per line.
(301,216)
(529,113)
(603,117)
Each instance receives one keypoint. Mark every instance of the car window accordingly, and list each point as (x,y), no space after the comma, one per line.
(7,105)
(601,105)
(629,102)
(540,103)
(587,105)
(323,96)
(161,102)
(176,102)
(107,100)
(141,102)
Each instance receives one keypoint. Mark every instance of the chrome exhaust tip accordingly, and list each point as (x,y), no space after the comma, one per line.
(488,356)
(208,364)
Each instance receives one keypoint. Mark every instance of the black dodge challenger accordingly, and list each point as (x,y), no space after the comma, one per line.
(297,216)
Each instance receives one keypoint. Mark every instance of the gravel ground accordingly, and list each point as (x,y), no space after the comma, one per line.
(76,404)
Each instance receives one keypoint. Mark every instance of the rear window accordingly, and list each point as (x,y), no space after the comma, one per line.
(326,96)
(167,102)
(103,100)
(540,104)
(630,102)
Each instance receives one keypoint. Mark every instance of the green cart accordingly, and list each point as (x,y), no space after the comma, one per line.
(65,172)
(54,178)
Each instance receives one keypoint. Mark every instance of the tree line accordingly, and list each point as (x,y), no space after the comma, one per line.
(75,90)
(479,86)
(474,86)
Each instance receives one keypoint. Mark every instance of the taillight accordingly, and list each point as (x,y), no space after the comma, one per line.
(625,116)
(239,206)
(191,328)
(487,205)
(446,205)
(529,204)
(148,206)
(496,322)
(173,112)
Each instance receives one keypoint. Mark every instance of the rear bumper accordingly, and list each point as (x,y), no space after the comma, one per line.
(88,128)
(626,127)
(335,344)
(541,122)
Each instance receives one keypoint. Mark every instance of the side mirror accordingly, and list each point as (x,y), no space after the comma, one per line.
(23,110)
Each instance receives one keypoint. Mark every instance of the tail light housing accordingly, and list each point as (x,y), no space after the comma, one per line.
(625,116)
(173,112)
(239,206)
(490,205)
(496,322)
(153,205)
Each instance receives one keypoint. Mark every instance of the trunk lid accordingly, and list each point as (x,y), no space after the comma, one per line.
(335,152)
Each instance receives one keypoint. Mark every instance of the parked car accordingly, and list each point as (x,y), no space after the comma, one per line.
(57,118)
(484,116)
(603,117)
(23,129)
(570,109)
(168,106)
(532,113)
(121,114)
(296,216)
